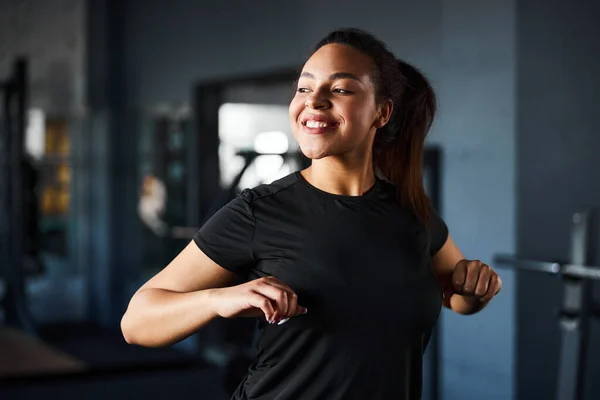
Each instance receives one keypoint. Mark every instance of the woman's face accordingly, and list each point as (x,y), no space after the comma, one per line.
(334,111)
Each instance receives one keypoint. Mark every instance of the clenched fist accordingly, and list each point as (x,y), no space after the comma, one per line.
(474,280)
(268,296)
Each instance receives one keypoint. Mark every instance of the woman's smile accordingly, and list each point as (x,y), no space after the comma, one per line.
(318,124)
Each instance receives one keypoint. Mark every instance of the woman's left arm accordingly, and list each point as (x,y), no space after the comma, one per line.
(468,285)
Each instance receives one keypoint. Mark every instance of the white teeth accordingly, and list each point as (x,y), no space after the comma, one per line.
(316,124)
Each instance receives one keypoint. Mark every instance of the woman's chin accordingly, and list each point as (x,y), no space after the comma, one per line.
(314,153)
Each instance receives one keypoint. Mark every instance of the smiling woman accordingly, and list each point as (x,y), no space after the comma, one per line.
(345,264)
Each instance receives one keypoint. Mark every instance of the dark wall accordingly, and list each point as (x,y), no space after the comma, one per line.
(171,48)
(558,139)
(52,37)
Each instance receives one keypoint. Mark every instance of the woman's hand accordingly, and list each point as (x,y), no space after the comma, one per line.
(265,296)
(474,280)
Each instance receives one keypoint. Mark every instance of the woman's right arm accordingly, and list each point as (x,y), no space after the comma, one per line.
(192,291)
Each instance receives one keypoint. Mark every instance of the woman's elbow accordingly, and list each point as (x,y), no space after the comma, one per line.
(128,329)
(133,333)
(131,328)
(136,326)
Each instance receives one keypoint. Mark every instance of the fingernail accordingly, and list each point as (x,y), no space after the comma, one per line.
(283,321)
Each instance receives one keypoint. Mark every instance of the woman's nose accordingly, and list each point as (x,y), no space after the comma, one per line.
(317,101)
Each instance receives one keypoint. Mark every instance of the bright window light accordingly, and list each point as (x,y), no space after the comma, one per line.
(267,166)
(36,132)
(271,143)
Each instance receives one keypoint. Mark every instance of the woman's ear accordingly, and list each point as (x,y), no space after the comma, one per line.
(385,112)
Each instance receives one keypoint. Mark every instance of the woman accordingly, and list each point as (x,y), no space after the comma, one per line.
(345,261)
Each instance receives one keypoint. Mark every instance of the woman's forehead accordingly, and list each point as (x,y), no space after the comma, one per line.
(338,61)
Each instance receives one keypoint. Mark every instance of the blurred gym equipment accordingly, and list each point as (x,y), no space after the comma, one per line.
(13,233)
(22,353)
(578,306)
(32,352)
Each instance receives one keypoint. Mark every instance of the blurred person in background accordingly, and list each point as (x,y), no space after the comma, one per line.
(152,205)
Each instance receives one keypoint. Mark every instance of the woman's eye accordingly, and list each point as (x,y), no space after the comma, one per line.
(302,90)
(342,91)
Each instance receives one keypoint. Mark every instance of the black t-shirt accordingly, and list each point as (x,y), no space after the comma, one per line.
(361,265)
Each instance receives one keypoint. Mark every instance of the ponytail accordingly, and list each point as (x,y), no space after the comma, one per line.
(398,148)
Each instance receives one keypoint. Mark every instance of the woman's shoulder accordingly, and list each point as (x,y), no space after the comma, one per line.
(280,186)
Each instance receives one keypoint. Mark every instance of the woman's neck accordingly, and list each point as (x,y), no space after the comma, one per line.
(341,176)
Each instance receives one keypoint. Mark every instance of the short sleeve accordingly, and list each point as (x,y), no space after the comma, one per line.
(439,231)
(227,237)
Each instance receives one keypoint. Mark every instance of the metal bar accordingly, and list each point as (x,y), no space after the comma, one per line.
(22,88)
(573,320)
(5,181)
(531,265)
(4,213)
(581,271)
(578,275)
(15,109)
(567,270)
(16,156)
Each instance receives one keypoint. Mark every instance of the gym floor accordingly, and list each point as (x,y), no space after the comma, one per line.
(112,369)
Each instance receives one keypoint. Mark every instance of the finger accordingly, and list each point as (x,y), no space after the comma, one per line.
(448,293)
(292,304)
(257,300)
(459,276)
(483,281)
(283,298)
(292,309)
(298,311)
(473,269)
(277,295)
(494,288)
(291,300)
(283,301)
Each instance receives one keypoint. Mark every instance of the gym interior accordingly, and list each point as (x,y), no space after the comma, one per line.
(126,124)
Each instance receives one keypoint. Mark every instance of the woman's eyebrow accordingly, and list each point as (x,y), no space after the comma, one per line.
(334,76)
